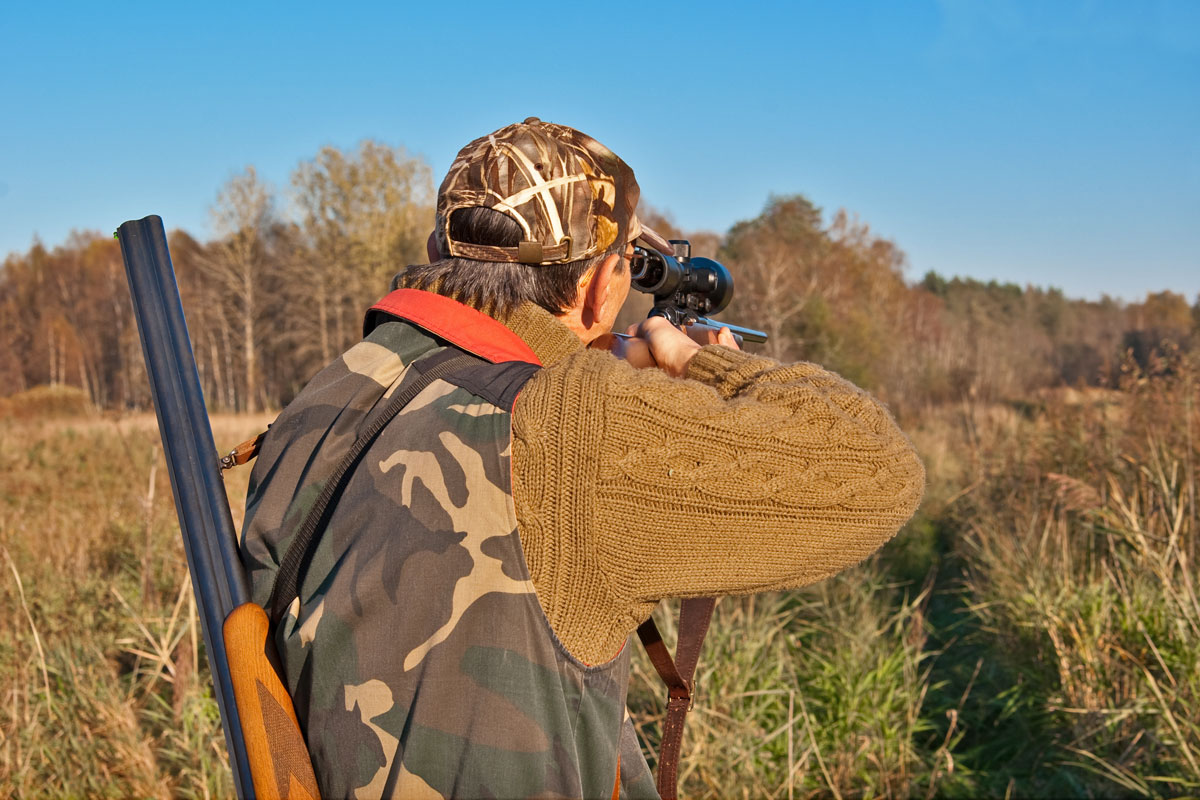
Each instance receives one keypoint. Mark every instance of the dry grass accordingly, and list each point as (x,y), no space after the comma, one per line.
(1034,632)
(1079,545)
(104,690)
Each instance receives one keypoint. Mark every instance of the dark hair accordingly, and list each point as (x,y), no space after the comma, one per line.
(492,286)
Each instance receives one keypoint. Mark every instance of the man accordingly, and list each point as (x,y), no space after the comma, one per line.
(458,625)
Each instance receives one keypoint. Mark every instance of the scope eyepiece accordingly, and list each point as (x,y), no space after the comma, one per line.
(654,273)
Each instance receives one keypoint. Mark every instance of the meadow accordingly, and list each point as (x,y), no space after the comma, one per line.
(1033,632)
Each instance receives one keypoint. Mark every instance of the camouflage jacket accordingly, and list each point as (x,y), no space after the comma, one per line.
(418,657)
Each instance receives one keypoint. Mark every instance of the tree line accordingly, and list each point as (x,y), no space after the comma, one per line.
(281,287)
(278,291)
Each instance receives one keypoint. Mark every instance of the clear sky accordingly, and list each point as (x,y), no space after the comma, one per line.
(1054,143)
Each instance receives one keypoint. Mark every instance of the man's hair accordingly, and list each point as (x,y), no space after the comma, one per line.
(495,286)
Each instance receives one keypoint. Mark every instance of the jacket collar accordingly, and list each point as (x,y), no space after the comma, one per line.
(448,319)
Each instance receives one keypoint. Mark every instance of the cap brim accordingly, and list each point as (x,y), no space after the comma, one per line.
(650,237)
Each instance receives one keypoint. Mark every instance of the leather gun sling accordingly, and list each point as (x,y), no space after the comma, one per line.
(694,615)
(244,453)
(295,560)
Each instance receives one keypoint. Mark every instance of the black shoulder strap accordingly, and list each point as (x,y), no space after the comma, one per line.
(299,552)
(694,616)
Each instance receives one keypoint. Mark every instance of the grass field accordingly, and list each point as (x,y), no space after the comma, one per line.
(102,679)
(1035,630)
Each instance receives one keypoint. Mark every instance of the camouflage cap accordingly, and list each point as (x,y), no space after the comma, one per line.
(572,196)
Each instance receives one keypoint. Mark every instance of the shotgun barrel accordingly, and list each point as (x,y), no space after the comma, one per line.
(209,540)
(266,748)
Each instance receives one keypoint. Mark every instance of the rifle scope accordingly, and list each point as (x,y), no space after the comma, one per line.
(691,286)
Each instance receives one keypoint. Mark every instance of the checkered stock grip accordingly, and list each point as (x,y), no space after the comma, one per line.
(279,763)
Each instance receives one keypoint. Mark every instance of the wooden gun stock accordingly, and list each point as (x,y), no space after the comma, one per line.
(279,763)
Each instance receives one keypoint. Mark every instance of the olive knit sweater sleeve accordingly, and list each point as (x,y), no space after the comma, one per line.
(748,475)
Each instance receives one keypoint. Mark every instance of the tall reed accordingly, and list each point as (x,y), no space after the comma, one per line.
(1080,546)
(807,694)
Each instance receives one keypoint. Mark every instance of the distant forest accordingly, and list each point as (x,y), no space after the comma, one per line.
(281,290)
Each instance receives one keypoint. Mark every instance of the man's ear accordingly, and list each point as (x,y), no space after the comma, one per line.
(596,288)
(431,248)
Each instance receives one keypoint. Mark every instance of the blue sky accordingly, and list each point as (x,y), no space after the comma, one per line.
(1054,143)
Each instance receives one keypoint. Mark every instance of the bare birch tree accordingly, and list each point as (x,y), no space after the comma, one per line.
(242,217)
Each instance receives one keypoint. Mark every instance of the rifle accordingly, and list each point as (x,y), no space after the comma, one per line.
(687,289)
(266,748)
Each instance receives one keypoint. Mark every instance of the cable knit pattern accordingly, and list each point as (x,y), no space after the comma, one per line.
(631,486)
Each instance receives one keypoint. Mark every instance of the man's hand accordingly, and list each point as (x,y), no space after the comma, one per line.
(706,335)
(626,346)
(655,342)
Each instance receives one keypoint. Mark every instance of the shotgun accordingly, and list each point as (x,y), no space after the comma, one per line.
(266,747)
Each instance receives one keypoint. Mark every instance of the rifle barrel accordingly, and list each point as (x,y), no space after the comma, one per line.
(747,334)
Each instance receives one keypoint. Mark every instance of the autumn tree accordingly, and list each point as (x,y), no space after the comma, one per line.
(363,215)
(779,264)
(832,294)
(1162,319)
